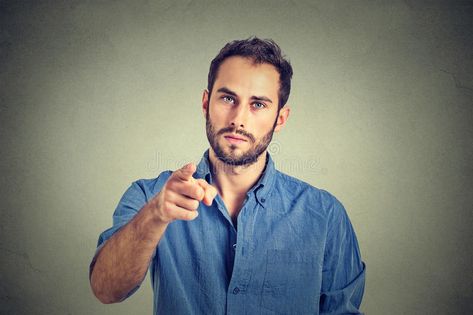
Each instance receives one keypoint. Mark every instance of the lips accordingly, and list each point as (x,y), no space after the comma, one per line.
(234,139)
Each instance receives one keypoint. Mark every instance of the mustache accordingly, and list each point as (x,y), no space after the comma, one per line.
(237,131)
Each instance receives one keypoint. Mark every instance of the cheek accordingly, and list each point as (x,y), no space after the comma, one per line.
(219,118)
(265,122)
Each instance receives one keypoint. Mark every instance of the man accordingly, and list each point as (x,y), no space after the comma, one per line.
(234,235)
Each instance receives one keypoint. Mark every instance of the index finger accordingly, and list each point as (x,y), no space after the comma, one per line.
(185,172)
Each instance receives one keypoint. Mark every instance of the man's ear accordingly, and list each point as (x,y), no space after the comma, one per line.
(205,102)
(282,117)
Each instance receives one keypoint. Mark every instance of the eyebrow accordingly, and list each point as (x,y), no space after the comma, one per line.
(232,93)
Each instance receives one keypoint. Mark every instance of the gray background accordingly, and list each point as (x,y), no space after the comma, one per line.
(96,94)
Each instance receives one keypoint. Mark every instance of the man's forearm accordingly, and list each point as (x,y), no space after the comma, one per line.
(122,262)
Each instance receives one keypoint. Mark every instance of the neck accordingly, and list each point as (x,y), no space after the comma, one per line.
(233,180)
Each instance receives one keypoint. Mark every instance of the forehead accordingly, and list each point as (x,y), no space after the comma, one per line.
(243,75)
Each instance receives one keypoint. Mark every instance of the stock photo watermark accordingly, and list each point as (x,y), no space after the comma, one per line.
(286,163)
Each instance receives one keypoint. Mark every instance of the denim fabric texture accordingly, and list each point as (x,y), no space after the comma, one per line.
(294,251)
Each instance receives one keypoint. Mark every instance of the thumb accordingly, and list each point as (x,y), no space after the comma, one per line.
(210,192)
(185,172)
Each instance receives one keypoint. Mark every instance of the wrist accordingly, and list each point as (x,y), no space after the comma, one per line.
(147,227)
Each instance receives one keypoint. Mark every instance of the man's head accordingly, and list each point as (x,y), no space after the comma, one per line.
(259,51)
(244,106)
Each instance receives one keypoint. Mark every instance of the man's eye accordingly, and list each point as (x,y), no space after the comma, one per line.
(258,105)
(228,99)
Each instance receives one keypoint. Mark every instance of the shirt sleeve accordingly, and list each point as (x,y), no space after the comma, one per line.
(343,274)
(131,202)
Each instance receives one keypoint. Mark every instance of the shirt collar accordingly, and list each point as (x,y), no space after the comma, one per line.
(261,189)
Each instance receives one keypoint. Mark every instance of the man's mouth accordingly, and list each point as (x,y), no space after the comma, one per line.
(235,139)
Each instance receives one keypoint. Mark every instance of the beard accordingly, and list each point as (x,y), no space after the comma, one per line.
(232,158)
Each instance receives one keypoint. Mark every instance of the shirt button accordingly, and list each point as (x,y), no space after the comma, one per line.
(234,246)
(263,200)
(236,290)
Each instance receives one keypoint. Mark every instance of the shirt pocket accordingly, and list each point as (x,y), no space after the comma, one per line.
(290,284)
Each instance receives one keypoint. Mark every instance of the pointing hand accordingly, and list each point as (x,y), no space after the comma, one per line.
(180,196)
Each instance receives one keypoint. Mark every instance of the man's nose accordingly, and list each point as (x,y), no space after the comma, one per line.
(240,115)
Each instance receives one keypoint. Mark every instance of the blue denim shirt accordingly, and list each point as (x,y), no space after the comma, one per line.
(294,251)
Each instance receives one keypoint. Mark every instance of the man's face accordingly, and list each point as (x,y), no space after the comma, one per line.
(242,112)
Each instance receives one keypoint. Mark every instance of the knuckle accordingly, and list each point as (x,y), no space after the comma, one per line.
(171,184)
(181,214)
(191,190)
(194,204)
(191,215)
(174,213)
(198,191)
(167,198)
(167,206)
